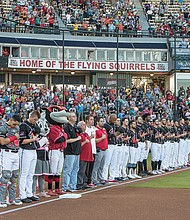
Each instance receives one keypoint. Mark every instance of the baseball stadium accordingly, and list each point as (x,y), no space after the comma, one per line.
(95,109)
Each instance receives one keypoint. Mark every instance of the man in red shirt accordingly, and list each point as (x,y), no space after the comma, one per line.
(86,156)
(101,147)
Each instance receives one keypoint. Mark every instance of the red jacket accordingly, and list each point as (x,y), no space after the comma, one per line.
(86,151)
(56,132)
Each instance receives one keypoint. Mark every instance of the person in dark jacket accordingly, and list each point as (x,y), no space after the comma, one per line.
(72,154)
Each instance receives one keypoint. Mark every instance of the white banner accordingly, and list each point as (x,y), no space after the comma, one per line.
(87,65)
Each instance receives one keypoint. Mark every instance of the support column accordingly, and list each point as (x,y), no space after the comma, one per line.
(6,79)
(128,80)
(49,81)
(46,80)
(10,79)
(87,80)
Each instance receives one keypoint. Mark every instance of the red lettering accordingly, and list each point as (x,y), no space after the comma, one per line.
(34,63)
(137,67)
(142,66)
(152,66)
(40,63)
(79,64)
(131,66)
(72,65)
(111,66)
(97,66)
(103,65)
(60,64)
(28,63)
(122,66)
(147,66)
(22,63)
(66,65)
(53,63)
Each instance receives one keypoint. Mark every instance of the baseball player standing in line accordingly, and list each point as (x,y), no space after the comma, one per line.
(10,161)
(146,118)
(156,147)
(182,147)
(133,151)
(141,134)
(111,153)
(119,151)
(125,147)
(28,156)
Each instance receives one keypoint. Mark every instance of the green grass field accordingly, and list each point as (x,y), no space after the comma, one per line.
(177,180)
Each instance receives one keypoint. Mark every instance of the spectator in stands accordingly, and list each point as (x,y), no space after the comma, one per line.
(184,43)
(5,52)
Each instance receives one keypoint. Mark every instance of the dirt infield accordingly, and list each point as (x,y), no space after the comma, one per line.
(114,202)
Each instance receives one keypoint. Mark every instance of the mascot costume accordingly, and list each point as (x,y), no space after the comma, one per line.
(42,165)
(56,116)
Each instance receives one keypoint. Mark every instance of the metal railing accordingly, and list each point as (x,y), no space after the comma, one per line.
(7,25)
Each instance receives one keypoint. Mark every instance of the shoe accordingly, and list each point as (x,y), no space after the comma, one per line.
(143,174)
(34,198)
(3,205)
(119,179)
(131,176)
(15,202)
(26,200)
(103,182)
(44,194)
(125,178)
(99,184)
(154,172)
(51,193)
(158,172)
(137,176)
(68,190)
(113,181)
(79,188)
(90,185)
(59,192)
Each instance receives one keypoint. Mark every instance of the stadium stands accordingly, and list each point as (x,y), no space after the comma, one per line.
(166,17)
(21,16)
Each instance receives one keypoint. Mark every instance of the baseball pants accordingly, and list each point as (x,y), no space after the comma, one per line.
(28,160)
(110,162)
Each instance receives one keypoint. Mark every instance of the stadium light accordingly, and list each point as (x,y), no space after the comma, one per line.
(63,66)
(175,80)
(117,74)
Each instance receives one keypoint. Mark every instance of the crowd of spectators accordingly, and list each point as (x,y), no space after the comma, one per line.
(96,101)
(166,19)
(95,16)
(99,16)
(20,14)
